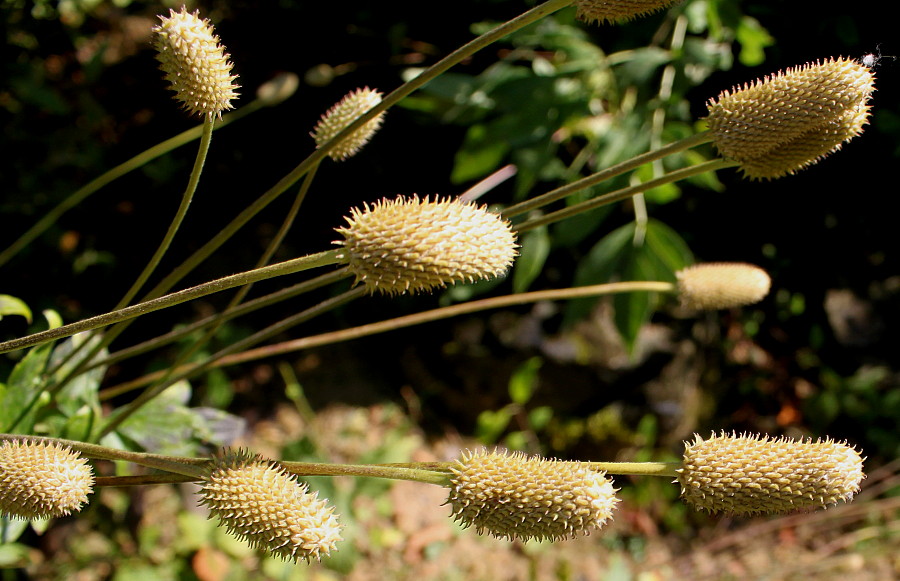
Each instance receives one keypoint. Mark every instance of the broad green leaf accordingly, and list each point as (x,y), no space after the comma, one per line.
(10,305)
(83,389)
(524,380)
(531,260)
(600,266)
(23,389)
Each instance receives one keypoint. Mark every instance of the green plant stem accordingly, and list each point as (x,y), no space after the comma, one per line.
(186,198)
(280,269)
(141,159)
(390,100)
(610,172)
(624,193)
(243,309)
(263,260)
(637,468)
(438,314)
(186,466)
(123,413)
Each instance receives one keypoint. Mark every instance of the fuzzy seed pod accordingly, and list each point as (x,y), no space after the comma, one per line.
(611,11)
(348,110)
(42,480)
(260,503)
(750,474)
(195,64)
(413,245)
(722,285)
(748,123)
(808,148)
(515,497)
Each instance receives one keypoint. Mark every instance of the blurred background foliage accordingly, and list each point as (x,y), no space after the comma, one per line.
(625,379)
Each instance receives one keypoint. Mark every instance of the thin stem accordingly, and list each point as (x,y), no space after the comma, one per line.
(242,291)
(637,468)
(624,193)
(248,307)
(151,265)
(141,159)
(280,269)
(123,413)
(610,172)
(371,470)
(186,466)
(444,313)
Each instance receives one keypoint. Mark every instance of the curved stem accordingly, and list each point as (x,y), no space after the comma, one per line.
(280,269)
(141,159)
(123,413)
(444,313)
(151,265)
(172,336)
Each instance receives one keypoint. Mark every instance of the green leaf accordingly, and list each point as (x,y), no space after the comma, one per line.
(539,417)
(524,380)
(480,154)
(164,425)
(25,385)
(598,267)
(10,305)
(491,424)
(83,389)
(753,39)
(531,260)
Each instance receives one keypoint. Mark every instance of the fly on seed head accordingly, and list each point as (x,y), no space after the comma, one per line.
(872,59)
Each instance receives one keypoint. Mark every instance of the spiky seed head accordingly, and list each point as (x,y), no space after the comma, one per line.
(722,285)
(348,110)
(195,64)
(257,501)
(611,11)
(806,149)
(747,123)
(42,480)
(413,245)
(516,497)
(759,474)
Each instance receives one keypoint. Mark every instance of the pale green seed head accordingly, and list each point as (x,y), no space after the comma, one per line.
(612,11)
(195,64)
(759,474)
(348,110)
(516,497)
(722,285)
(42,480)
(412,245)
(749,122)
(257,501)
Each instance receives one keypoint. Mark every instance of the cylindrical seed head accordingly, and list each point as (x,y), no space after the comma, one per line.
(602,11)
(746,123)
(516,497)
(195,64)
(751,474)
(348,110)
(42,480)
(260,503)
(413,245)
(722,285)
